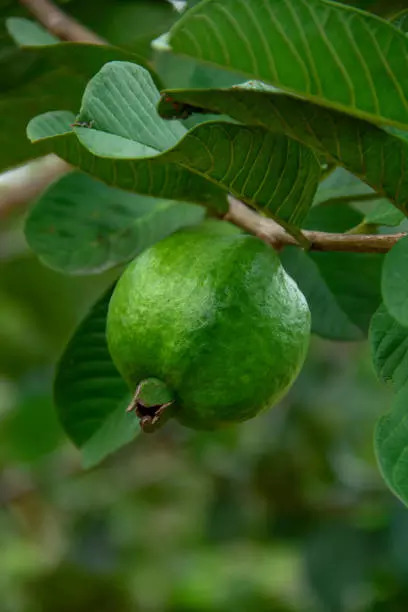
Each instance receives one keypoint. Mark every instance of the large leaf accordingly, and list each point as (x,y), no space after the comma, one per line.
(90,395)
(378,157)
(389,347)
(330,54)
(81,226)
(391,445)
(39,78)
(119,138)
(395,281)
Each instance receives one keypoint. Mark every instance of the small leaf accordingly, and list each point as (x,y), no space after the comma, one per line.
(125,144)
(389,346)
(384,213)
(395,281)
(342,185)
(391,445)
(89,392)
(333,55)
(81,226)
(332,217)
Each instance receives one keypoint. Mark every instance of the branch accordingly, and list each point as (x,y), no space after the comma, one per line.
(59,23)
(22,185)
(272,233)
(67,28)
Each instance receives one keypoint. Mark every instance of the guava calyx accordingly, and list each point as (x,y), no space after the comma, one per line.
(151,403)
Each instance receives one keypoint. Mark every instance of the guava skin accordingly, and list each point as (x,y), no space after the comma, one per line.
(211,312)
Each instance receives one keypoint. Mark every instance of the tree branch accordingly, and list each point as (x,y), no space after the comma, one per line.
(21,185)
(272,233)
(67,28)
(59,23)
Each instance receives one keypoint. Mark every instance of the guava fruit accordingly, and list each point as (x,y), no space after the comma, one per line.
(207,327)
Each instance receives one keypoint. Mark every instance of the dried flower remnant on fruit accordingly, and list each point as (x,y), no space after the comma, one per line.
(150,402)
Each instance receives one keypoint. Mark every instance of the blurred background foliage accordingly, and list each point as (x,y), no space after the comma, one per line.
(285,513)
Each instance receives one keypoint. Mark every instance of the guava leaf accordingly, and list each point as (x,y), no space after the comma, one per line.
(81,226)
(123,142)
(379,157)
(90,396)
(29,33)
(342,186)
(389,348)
(332,55)
(391,445)
(384,213)
(395,281)
(40,77)
(342,290)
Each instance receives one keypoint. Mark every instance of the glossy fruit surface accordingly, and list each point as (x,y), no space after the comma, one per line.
(210,312)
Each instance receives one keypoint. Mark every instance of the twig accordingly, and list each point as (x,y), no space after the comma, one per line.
(272,233)
(67,28)
(59,23)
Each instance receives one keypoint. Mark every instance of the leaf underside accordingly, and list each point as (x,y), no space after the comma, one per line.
(90,395)
(81,226)
(123,142)
(378,156)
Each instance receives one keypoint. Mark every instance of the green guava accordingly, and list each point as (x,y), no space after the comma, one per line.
(207,327)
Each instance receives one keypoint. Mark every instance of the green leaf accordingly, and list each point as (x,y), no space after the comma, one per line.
(395,281)
(384,213)
(342,290)
(400,21)
(38,78)
(89,392)
(186,72)
(332,217)
(389,347)
(81,226)
(376,156)
(333,55)
(29,33)
(118,429)
(391,445)
(127,145)
(341,185)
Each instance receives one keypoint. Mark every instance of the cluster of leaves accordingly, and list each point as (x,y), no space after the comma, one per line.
(316,140)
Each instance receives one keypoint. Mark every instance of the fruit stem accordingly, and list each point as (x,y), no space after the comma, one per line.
(150,402)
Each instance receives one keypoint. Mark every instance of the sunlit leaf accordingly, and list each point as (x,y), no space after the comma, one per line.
(330,54)
(119,138)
